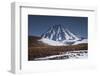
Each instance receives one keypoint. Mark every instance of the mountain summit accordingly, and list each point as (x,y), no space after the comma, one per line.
(59,35)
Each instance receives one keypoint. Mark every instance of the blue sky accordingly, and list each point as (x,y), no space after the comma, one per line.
(38,24)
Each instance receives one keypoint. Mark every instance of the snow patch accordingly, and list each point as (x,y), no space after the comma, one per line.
(51,42)
(80,42)
(63,43)
(80,54)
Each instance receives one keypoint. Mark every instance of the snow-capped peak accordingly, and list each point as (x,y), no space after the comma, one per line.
(59,33)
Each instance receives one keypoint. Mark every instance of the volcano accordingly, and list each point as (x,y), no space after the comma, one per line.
(57,35)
